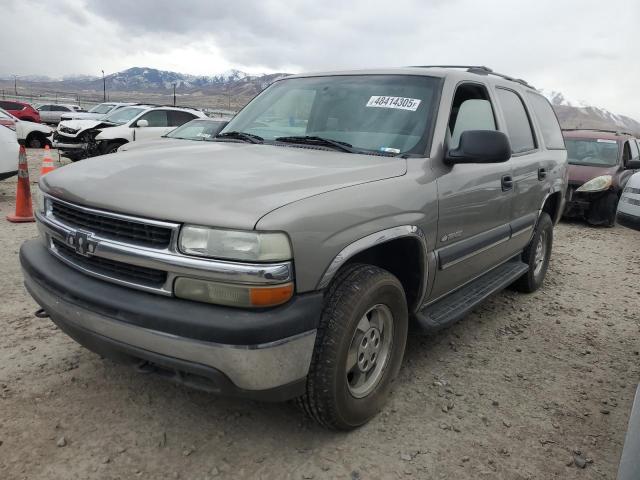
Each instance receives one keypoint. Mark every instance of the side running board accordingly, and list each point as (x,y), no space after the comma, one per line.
(453,307)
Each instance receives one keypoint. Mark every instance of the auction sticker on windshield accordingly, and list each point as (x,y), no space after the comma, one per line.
(401,103)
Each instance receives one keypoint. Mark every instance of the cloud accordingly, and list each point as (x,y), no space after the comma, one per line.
(578,47)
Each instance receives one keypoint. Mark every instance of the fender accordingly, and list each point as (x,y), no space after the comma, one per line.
(378,238)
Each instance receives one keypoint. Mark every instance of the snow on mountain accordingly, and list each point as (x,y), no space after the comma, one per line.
(579,114)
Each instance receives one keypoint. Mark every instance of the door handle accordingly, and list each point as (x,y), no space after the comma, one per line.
(542,173)
(507,183)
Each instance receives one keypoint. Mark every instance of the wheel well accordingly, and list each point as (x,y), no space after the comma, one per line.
(403,258)
(552,205)
(36,134)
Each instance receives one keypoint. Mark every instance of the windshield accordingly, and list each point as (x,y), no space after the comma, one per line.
(196,130)
(102,108)
(123,115)
(587,151)
(372,113)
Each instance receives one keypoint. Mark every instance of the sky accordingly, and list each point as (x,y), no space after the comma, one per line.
(588,50)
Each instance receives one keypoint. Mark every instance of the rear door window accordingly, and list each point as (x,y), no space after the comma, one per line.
(547,120)
(177,118)
(517,125)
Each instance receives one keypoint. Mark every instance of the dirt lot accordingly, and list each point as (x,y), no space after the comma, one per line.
(526,387)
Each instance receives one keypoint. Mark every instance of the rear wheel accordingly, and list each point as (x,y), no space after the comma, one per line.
(359,348)
(537,255)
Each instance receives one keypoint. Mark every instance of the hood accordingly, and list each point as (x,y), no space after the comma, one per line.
(213,183)
(161,142)
(579,174)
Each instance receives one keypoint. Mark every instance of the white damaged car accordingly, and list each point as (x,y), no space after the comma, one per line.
(78,139)
(30,134)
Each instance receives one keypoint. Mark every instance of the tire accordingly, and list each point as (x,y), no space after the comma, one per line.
(542,239)
(35,140)
(334,397)
(112,147)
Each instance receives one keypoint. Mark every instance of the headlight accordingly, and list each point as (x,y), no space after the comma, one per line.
(597,184)
(234,244)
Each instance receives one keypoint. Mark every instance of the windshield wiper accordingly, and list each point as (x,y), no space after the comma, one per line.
(245,137)
(320,141)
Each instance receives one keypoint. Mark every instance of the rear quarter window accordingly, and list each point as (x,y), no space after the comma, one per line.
(177,118)
(547,120)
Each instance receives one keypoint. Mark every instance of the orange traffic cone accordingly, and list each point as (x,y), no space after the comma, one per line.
(24,209)
(47,162)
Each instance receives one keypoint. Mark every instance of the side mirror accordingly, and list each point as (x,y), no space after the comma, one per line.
(142,123)
(480,146)
(633,164)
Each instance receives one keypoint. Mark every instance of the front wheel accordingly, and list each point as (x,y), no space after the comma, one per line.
(359,347)
(537,255)
(112,147)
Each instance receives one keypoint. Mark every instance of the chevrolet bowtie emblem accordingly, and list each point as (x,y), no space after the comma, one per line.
(82,243)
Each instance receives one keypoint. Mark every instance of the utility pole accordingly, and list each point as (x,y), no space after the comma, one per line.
(174,94)
(104,88)
(15,84)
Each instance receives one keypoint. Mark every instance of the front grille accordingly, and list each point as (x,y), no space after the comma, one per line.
(115,228)
(117,270)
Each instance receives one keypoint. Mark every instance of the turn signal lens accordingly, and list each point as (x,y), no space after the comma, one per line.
(232,295)
(269,296)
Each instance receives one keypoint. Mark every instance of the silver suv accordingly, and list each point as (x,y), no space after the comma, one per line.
(335,215)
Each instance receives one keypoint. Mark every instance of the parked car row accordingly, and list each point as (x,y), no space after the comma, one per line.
(82,138)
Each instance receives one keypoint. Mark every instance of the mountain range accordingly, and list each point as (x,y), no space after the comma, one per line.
(151,80)
(579,114)
(243,86)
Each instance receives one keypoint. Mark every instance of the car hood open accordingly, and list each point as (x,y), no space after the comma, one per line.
(213,183)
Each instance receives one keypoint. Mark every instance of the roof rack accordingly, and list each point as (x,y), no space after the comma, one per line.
(603,130)
(480,70)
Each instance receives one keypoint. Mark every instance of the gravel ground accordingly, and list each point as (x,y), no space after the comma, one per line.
(526,387)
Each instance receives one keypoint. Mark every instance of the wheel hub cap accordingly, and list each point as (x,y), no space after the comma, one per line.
(541,253)
(369,350)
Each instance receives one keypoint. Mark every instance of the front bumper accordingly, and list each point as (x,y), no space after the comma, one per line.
(69,146)
(261,354)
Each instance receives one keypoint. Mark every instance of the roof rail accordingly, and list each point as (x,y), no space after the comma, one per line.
(604,130)
(480,70)
(167,105)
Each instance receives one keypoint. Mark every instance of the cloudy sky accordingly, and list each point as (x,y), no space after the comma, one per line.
(589,50)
